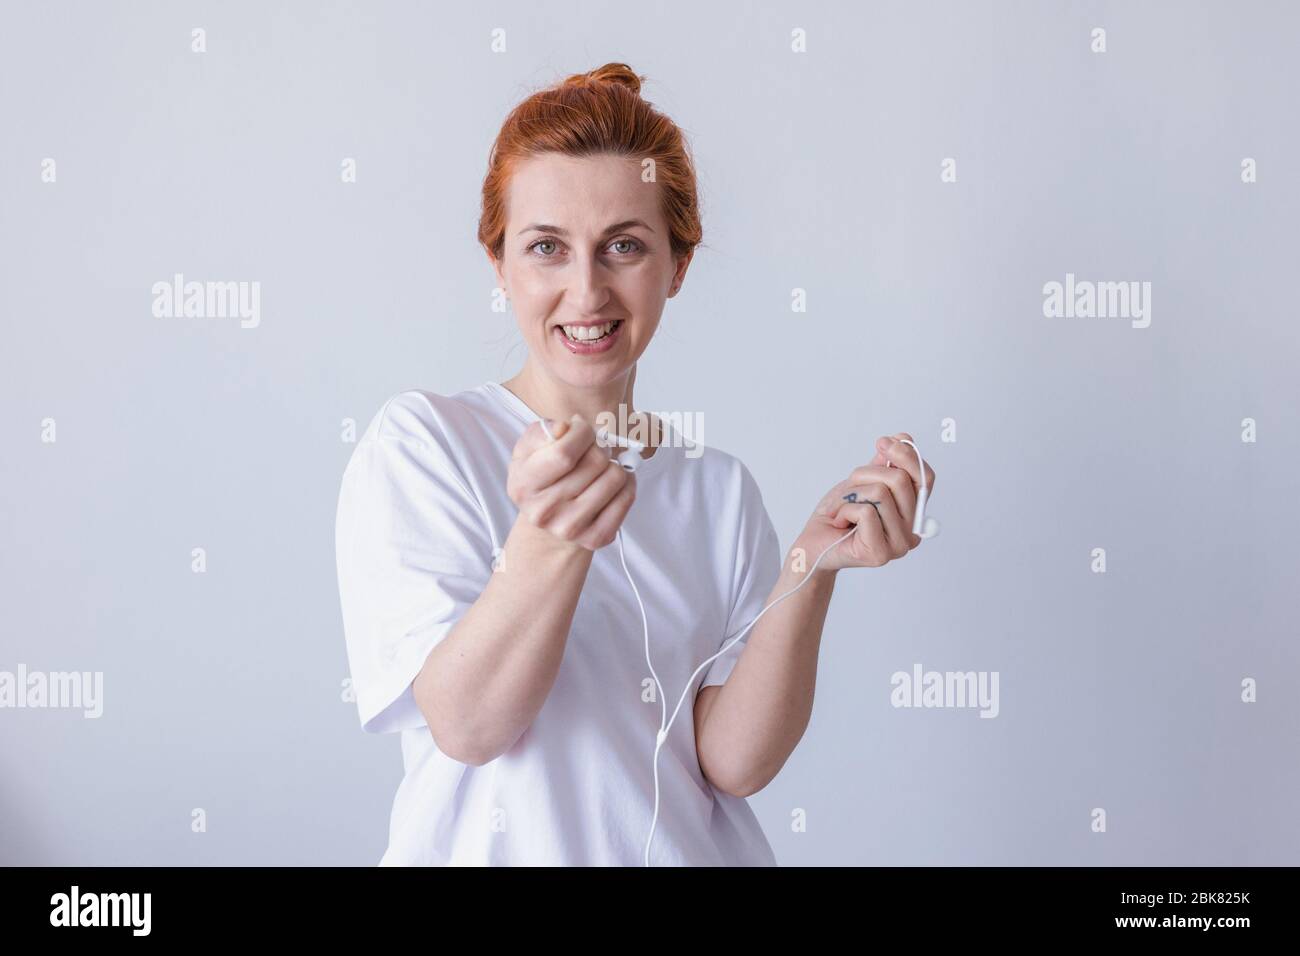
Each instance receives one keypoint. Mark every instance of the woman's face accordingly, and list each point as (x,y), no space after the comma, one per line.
(586,244)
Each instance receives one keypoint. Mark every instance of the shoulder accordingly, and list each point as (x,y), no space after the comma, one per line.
(417,430)
(453,428)
(421,416)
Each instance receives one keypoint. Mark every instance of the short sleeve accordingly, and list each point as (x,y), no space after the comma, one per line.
(757,569)
(414,552)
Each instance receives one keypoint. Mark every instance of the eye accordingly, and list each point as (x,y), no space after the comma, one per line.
(549,248)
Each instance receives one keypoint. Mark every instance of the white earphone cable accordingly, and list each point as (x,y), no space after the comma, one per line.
(926,527)
(663,729)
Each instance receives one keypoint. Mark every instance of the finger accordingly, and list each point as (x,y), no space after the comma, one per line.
(835,497)
(553,460)
(831,499)
(827,503)
(870,535)
(535,436)
(897,526)
(532,439)
(898,482)
(904,456)
(882,445)
(901,455)
(575,517)
(606,524)
(549,501)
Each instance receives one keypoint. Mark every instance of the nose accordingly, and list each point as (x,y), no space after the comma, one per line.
(588,285)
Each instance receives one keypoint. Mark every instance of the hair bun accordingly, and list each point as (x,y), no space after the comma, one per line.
(619,73)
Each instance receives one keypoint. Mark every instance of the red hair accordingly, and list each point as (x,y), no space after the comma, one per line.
(600,111)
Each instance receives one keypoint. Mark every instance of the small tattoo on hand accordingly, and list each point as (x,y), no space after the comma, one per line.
(852,497)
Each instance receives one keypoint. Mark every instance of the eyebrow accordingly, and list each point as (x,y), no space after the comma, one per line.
(547,227)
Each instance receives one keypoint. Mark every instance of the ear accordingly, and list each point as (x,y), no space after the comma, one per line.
(496,268)
(679,274)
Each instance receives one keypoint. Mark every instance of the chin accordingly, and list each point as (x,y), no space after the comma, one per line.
(590,378)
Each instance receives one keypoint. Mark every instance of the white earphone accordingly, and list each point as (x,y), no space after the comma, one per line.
(630,457)
(922,525)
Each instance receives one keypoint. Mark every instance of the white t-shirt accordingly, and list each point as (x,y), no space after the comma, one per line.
(422,516)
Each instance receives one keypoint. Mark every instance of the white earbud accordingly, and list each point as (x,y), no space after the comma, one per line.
(922,525)
(629,458)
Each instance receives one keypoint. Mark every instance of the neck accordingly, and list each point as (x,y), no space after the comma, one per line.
(599,404)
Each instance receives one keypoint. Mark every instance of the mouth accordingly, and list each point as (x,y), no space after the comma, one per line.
(587,340)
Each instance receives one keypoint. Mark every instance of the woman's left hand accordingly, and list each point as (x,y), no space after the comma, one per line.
(881,502)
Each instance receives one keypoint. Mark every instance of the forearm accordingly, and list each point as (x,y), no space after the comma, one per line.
(759,715)
(482,685)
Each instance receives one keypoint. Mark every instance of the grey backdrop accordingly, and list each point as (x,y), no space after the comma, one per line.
(819,171)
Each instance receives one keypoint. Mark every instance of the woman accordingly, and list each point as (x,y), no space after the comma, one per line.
(486,618)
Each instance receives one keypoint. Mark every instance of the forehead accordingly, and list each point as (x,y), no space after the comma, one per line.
(580,192)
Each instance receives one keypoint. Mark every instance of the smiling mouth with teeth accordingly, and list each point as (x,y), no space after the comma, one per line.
(590,333)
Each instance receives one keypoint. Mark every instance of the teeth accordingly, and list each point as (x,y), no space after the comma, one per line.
(589,333)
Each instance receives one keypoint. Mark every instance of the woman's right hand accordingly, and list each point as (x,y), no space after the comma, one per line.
(570,487)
